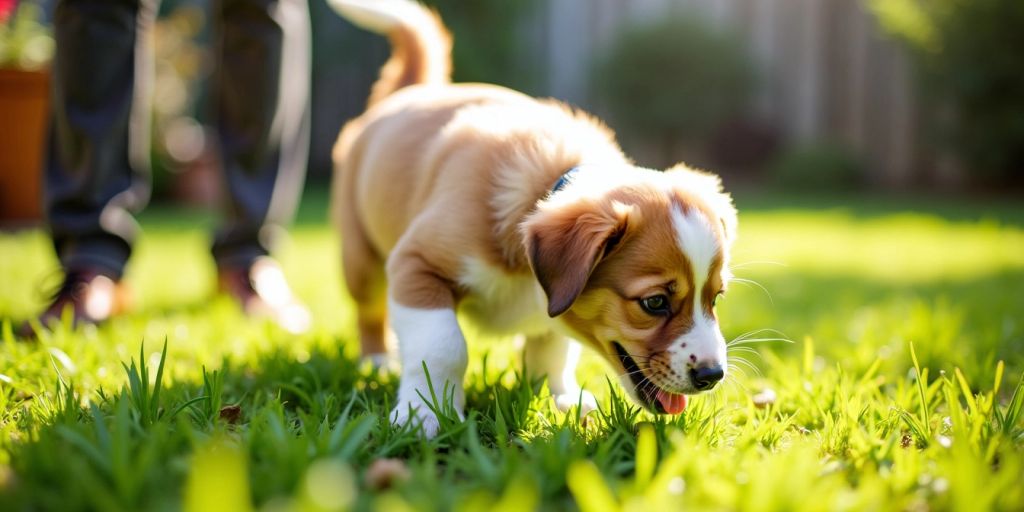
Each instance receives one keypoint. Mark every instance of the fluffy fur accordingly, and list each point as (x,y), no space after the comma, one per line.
(443,198)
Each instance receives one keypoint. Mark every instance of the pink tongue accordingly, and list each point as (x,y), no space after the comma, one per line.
(671,402)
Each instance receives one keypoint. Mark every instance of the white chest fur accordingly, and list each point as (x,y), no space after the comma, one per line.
(503,303)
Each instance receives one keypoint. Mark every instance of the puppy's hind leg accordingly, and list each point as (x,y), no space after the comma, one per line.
(556,356)
(366,282)
(372,320)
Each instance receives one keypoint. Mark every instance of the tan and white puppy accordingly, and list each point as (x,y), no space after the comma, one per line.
(456,197)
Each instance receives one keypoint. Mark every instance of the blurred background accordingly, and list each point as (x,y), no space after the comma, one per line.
(839,95)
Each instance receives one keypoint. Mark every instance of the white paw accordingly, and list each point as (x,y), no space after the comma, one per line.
(384,363)
(416,413)
(582,398)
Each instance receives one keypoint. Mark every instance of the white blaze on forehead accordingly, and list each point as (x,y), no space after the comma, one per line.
(698,240)
(703,344)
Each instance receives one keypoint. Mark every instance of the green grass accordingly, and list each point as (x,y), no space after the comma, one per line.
(136,414)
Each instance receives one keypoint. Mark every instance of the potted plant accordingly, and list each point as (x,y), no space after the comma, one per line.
(26,47)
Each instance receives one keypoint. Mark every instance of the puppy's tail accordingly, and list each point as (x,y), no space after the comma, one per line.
(420,44)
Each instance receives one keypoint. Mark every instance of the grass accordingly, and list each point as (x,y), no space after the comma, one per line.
(902,388)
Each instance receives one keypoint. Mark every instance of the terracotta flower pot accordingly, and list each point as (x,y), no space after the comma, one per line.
(24,103)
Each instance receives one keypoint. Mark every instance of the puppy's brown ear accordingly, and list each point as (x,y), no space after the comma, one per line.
(564,244)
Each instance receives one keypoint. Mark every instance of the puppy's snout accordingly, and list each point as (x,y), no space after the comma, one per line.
(705,377)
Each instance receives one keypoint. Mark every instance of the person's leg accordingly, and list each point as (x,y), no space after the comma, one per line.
(262,98)
(97,169)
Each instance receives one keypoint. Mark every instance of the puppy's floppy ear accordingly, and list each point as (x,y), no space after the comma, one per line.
(565,243)
(708,187)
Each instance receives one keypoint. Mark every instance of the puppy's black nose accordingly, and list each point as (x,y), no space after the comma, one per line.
(705,378)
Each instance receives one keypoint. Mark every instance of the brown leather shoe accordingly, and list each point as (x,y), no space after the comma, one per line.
(262,290)
(90,296)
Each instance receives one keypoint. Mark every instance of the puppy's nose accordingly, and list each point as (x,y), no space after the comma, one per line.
(706,377)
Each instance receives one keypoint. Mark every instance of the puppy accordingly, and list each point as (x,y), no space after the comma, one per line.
(524,216)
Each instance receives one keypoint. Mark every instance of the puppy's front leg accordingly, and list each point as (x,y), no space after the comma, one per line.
(556,357)
(428,337)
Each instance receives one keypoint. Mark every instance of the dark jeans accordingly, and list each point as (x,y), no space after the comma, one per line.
(97,176)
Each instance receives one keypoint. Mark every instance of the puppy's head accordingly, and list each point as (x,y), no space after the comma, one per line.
(633,263)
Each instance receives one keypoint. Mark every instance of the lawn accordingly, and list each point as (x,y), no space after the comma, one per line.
(890,331)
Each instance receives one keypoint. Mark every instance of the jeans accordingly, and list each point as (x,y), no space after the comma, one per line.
(97,174)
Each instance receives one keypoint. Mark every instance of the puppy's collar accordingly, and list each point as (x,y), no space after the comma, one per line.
(564,179)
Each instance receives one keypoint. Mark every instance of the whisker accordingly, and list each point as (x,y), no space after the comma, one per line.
(636,358)
(736,383)
(634,372)
(757,284)
(758,340)
(747,335)
(619,356)
(755,332)
(757,262)
(642,358)
(736,351)
(737,369)
(750,365)
(745,350)
(631,374)
(769,329)
(738,359)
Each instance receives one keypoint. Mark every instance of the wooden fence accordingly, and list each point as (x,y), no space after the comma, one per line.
(826,70)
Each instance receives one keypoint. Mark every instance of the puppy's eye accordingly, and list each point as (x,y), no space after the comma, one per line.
(655,304)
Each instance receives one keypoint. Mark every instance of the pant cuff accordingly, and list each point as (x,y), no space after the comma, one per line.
(107,257)
(242,257)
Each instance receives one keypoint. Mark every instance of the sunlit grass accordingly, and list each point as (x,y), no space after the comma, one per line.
(900,249)
(852,427)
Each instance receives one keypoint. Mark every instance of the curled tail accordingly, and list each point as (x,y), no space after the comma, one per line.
(420,44)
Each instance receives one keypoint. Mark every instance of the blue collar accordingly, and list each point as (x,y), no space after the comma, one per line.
(564,179)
